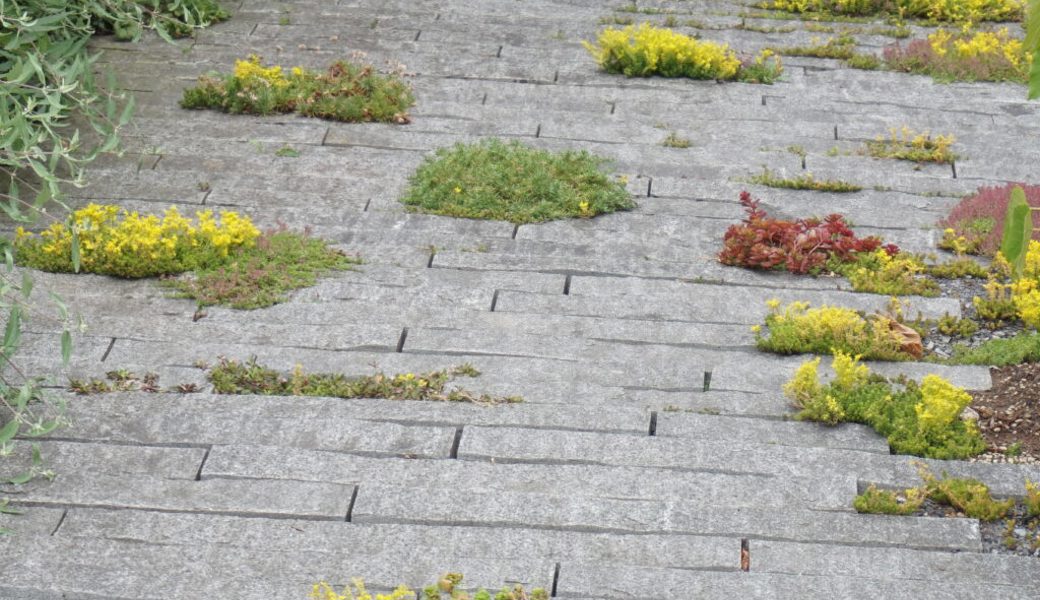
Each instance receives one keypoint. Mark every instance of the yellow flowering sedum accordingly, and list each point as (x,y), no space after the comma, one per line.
(941,403)
(647,50)
(127,244)
(805,385)
(251,70)
(849,374)
(981,44)
(1025,292)
(938,10)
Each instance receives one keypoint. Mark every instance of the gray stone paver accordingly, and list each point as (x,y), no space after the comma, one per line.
(621,476)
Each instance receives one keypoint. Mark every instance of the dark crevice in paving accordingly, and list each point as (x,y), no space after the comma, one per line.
(215,513)
(61,521)
(707,381)
(108,350)
(454,452)
(567,287)
(401,340)
(494,300)
(202,463)
(653,424)
(353,501)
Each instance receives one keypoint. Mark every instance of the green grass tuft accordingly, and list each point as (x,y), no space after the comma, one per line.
(512,182)
(1023,348)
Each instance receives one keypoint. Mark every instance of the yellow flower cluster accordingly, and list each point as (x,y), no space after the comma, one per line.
(126,244)
(880,273)
(647,50)
(941,403)
(805,385)
(848,373)
(939,10)
(1025,292)
(251,70)
(324,591)
(981,44)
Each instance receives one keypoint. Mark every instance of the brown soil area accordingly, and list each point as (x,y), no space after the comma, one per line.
(1009,413)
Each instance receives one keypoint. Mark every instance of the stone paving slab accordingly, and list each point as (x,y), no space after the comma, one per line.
(888,563)
(599,514)
(168,419)
(618,582)
(288,535)
(735,489)
(270,498)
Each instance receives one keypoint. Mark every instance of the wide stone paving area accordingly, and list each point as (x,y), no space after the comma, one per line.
(653,450)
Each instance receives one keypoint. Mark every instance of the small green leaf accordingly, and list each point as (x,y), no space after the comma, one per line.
(8,431)
(27,284)
(20,479)
(13,331)
(66,348)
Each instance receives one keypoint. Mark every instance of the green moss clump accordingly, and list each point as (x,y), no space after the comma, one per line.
(888,502)
(512,182)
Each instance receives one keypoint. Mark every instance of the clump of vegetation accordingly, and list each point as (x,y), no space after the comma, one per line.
(948,56)
(865,62)
(648,50)
(975,224)
(233,377)
(803,182)
(842,47)
(673,140)
(958,268)
(513,182)
(447,588)
(346,91)
(107,240)
(957,327)
(263,274)
(936,10)
(880,272)
(1001,352)
(919,419)
(230,260)
(906,144)
(119,380)
(968,496)
(801,246)
(889,502)
(798,329)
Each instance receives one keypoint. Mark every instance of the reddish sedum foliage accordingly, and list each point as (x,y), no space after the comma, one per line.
(979,218)
(802,246)
(919,56)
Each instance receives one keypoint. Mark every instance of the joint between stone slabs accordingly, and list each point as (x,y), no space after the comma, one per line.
(613,106)
(350,507)
(253,30)
(61,521)
(494,300)
(455,442)
(202,463)
(417,34)
(483,101)
(108,350)
(155,164)
(649,186)
(174,511)
(707,381)
(555,580)
(835,132)
(567,285)
(653,424)
(953,168)
(745,555)
(72,440)
(401,340)
(367,204)
(499,53)
(325,136)
(516,230)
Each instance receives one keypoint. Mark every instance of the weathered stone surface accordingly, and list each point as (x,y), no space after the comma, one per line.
(733,488)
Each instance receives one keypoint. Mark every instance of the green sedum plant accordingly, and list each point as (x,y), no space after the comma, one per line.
(492,179)
(233,377)
(918,419)
(346,91)
(968,496)
(797,328)
(446,588)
